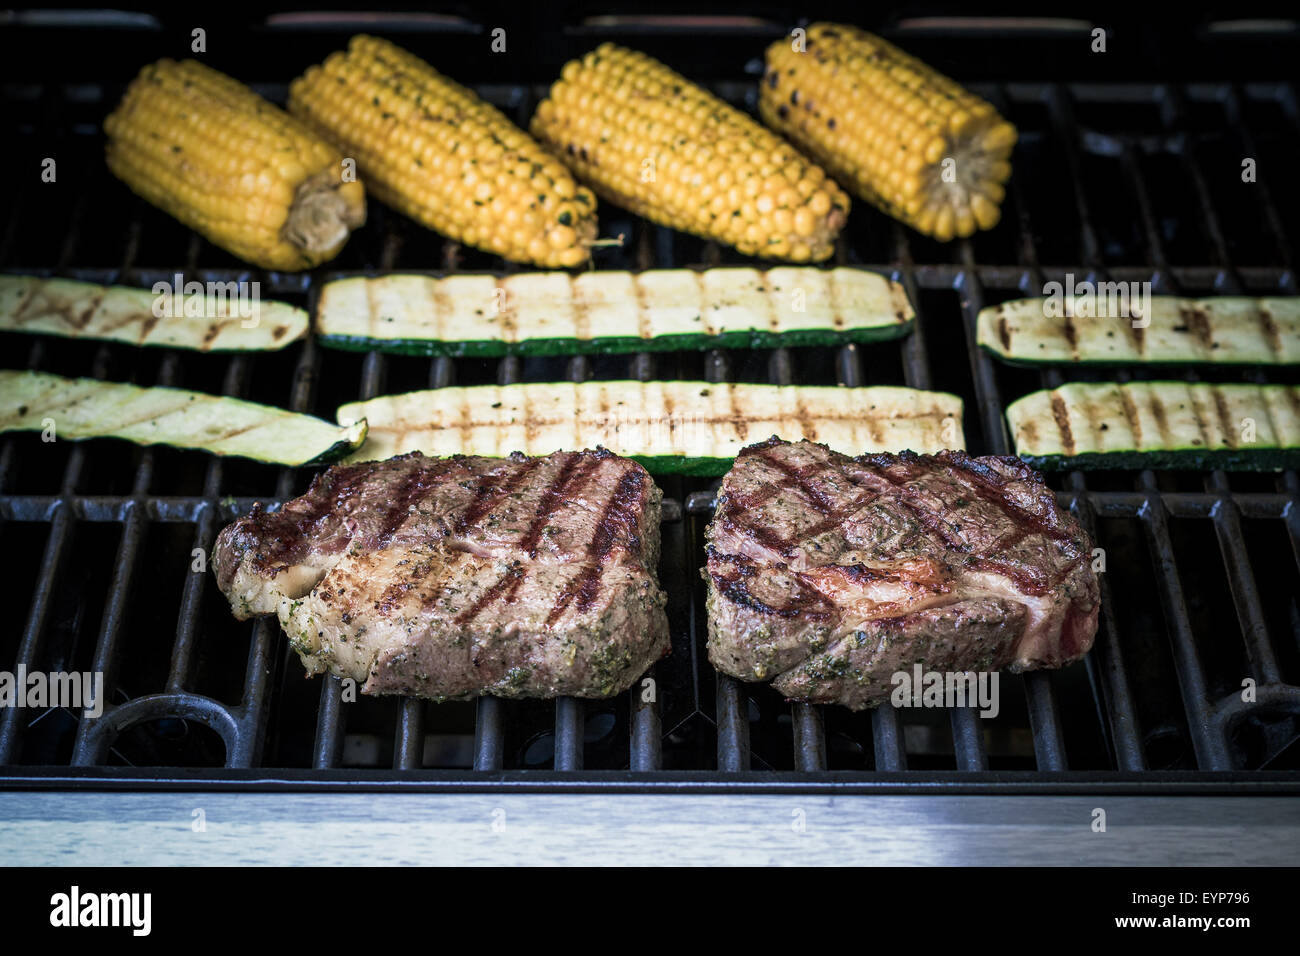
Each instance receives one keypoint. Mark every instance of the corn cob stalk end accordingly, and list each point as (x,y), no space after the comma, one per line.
(233,167)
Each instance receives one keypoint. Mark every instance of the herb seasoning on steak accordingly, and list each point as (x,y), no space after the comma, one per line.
(829,574)
(454,577)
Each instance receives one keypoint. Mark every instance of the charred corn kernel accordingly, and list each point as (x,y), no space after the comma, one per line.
(648,139)
(900,135)
(432,149)
(248,176)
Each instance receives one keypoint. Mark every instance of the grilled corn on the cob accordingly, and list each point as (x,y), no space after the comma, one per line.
(650,140)
(232,166)
(432,149)
(900,135)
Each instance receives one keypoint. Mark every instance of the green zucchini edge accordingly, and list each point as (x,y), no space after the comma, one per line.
(354,436)
(616,345)
(1179,459)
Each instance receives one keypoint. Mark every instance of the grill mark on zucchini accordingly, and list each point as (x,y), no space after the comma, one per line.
(29,293)
(1198,323)
(372,313)
(442,304)
(737,418)
(706,324)
(507,327)
(1131,413)
(1272,334)
(581,316)
(643,329)
(214,330)
(837,312)
(1071,334)
(84,319)
(769,300)
(1162,421)
(1225,420)
(1062,417)
(1004,330)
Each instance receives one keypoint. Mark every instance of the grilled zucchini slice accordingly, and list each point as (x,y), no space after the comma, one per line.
(1159,425)
(555,313)
(1225,330)
(89,408)
(83,310)
(670,427)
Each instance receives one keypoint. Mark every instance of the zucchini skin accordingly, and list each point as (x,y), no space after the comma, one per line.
(689,467)
(354,439)
(1180,459)
(614,345)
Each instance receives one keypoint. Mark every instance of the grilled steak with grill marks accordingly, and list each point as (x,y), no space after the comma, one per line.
(828,574)
(454,577)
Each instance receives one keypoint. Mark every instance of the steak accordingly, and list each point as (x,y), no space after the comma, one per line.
(453,577)
(829,574)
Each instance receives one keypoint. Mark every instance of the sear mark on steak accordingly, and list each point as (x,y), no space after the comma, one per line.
(828,574)
(454,577)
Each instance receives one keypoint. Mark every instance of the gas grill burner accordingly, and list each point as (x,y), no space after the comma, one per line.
(1195,677)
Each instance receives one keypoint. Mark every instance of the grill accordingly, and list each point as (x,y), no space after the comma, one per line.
(1133,181)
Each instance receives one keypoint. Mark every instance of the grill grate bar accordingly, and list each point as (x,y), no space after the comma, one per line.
(1245,593)
(249,736)
(645,744)
(732,701)
(57,547)
(489,739)
(809,738)
(330,718)
(191,604)
(89,746)
(1044,718)
(887,738)
(809,733)
(1211,753)
(1112,691)
(569,728)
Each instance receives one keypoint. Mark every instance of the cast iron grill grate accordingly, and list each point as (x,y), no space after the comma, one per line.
(1135,182)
